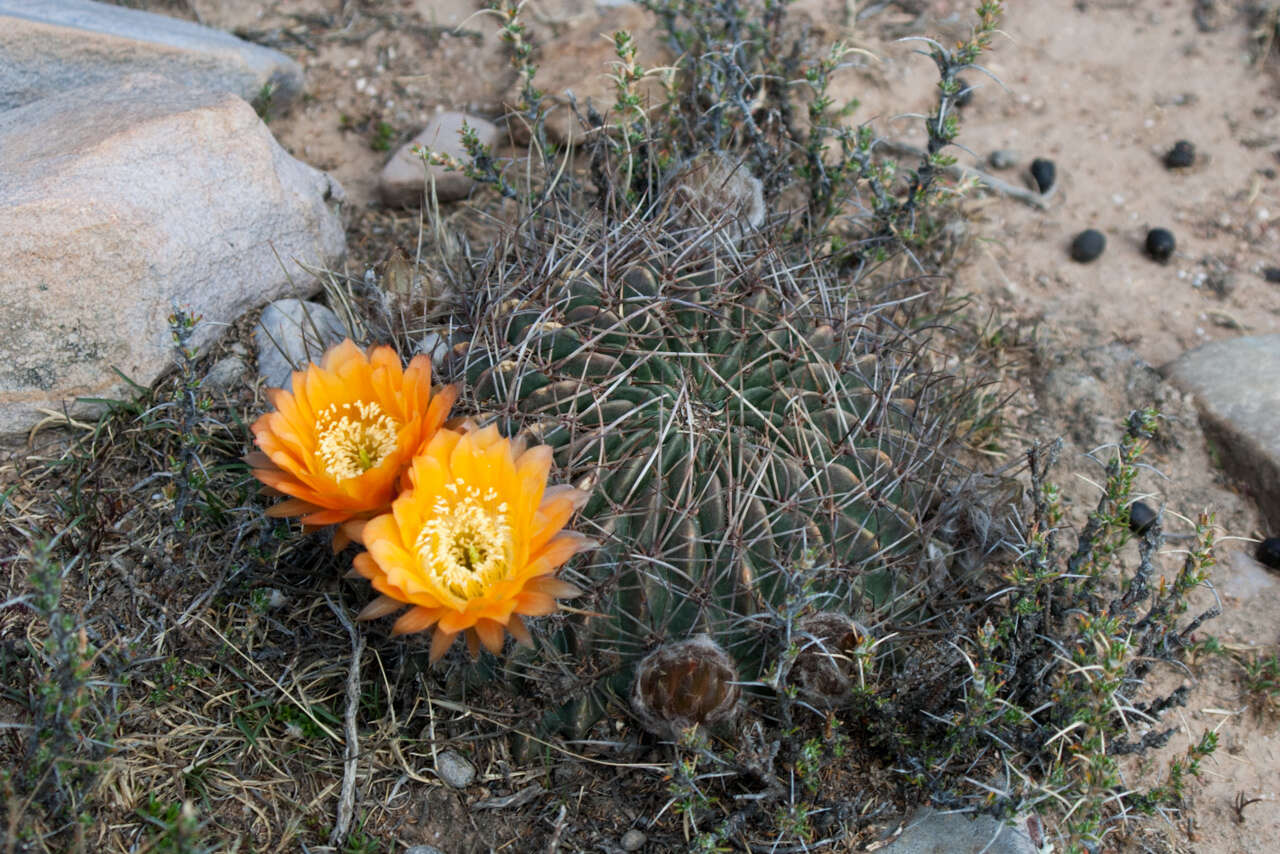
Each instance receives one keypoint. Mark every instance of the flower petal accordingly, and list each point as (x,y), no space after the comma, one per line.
(519,631)
(379,607)
(440,643)
(490,634)
(414,620)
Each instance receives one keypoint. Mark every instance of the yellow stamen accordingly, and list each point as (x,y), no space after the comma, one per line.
(354,437)
(466,547)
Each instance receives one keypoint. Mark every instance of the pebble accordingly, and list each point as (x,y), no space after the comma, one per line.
(292,333)
(1088,245)
(423,849)
(1004,158)
(1182,155)
(1269,552)
(1044,173)
(633,840)
(454,770)
(1221,283)
(1160,244)
(227,373)
(1141,517)
(965,96)
(1272,275)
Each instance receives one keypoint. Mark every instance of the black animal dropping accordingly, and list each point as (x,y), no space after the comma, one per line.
(1088,245)
(964,96)
(1160,244)
(1182,155)
(1269,552)
(1044,173)
(1141,517)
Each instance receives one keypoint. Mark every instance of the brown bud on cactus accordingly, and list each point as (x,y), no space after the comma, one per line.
(826,668)
(683,685)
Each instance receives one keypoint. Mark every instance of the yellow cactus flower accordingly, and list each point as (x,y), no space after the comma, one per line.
(474,543)
(341,440)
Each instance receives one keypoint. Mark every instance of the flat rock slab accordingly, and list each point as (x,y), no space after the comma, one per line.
(933,832)
(123,201)
(52,46)
(1236,386)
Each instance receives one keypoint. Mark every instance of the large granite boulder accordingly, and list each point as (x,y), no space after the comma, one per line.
(123,201)
(52,46)
(1236,386)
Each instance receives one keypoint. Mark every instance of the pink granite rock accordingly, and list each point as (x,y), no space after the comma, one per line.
(124,200)
(52,46)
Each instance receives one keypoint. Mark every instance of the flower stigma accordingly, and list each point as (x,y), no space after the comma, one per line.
(466,545)
(354,437)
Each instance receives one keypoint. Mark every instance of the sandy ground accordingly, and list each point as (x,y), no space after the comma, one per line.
(1101,88)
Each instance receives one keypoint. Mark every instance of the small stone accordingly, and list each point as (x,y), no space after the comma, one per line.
(226,374)
(454,770)
(435,345)
(1221,282)
(1088,245)
(964,97)
(422,849)
(291,334)
(633,840)
(1044,173)
(1272,275)
(1160,244)
(1182,155)
(1269,552)
(1003,158)
(1141,517)
(404,178)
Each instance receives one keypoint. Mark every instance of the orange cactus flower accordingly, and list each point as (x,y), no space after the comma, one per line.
(473,544)
(341,440)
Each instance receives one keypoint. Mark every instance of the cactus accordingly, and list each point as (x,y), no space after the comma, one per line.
(829,664)
(732,416)
(683,685)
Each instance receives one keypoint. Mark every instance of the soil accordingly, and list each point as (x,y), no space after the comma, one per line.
(1103,89)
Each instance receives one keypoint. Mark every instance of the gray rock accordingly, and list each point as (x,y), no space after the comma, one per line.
(225,374)
(1003,159)
(422,849)
(1086,388)
(633,840)
(1236,386)
(1247,579)
(53,46)
(932,832)
(123,201)
(454,770)
(292,333)
(404,177)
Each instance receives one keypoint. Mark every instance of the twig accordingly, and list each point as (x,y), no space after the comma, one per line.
(554,845)
(1240,803)
(957,170)
(347,800)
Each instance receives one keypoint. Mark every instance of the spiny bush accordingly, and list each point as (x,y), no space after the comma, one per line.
(45,793)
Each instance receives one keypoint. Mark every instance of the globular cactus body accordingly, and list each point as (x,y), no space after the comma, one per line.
(729,426)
